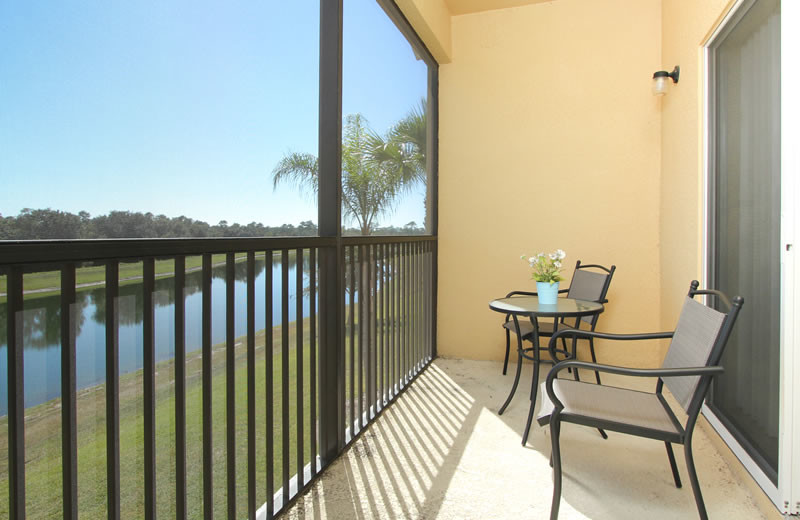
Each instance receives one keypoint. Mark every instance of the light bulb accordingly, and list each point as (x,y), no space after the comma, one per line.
(659,85)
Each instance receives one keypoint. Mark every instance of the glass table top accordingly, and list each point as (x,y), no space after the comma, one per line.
(530,306)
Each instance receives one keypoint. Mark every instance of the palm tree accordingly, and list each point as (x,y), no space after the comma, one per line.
(375,169)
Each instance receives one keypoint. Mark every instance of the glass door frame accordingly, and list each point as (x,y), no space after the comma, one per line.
(786,494)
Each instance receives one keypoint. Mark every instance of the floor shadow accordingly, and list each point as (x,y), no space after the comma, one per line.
(441,451)
(401,467)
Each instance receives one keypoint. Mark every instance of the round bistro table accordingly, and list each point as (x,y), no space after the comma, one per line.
(529,306)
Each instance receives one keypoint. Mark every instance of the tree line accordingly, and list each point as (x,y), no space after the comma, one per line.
(42,224)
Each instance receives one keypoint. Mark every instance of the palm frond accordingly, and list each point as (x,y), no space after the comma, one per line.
(412,132)
(297,169)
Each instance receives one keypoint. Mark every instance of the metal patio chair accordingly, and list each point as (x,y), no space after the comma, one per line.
(585,285)
(691,362)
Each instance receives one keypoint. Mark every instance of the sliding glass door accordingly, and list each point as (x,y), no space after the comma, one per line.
(745,223)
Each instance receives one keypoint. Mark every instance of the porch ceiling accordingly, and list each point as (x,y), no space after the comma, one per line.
(457,7)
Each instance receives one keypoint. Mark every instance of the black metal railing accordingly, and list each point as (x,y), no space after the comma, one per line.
(267,368)
(389,335)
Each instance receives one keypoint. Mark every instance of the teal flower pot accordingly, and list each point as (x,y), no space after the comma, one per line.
(548,292)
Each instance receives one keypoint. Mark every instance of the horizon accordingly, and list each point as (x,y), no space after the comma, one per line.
(416,225)
(185,109)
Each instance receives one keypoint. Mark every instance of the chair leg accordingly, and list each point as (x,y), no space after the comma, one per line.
(594,360)
(671,457)
(534,388)
(508,347)
(516,378)
(698,495)
(555,457)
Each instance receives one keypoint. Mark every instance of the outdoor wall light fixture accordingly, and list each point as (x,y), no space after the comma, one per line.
(660,80)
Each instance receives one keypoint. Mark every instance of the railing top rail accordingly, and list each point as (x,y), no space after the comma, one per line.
(26,252)
(55,251)
(356,240)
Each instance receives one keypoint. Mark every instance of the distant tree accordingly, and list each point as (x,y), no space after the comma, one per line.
(307,228)
(87,225)
(45,224)
(125,224)
(6,228)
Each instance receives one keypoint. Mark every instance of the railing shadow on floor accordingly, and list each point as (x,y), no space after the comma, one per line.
(442,451)
(402,466)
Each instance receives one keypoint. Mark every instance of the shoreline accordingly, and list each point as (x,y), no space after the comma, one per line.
(191,355)
(52,291)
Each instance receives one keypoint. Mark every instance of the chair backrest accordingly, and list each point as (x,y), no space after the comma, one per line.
(590,285)
(699,339)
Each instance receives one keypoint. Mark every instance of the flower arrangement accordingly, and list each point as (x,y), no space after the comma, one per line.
(546,267)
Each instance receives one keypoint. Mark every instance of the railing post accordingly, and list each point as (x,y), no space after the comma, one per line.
(112,389)
(181,502)
(149,390)
(69,423)
(331,259)
(230,382)
(16,396)
(208,448)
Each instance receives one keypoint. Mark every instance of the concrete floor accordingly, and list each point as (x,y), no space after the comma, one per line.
(441,451)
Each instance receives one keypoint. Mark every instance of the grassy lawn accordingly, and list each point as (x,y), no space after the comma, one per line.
(47,283)
(43,437)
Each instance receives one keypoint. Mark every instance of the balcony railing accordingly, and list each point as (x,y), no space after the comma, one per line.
(189,421)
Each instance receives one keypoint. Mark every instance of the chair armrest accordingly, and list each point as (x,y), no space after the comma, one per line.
(636,372)
(531,293)
(522,293)
(585,334)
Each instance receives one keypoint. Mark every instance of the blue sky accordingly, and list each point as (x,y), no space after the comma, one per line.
(183,108)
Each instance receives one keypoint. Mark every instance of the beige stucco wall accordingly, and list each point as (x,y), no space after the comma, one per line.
(549,138)
(554,98)
(687,25)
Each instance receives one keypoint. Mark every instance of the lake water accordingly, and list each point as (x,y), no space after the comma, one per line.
(41,327)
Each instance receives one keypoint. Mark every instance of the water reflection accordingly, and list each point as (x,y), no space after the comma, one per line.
(41,327)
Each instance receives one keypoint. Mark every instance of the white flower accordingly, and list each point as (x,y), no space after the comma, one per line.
(560,254)
(557,263)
